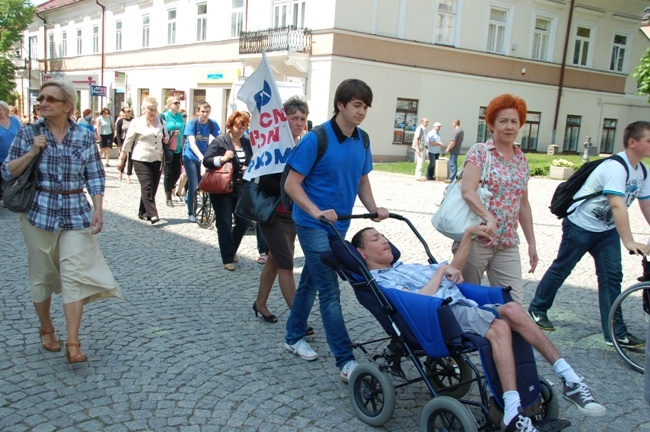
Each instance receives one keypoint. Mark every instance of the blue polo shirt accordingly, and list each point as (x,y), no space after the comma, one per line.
(201,134)
(332,183)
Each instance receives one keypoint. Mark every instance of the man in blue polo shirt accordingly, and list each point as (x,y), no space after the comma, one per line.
(324,190)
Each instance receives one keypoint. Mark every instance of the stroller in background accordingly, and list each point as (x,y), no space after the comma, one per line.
(424,327)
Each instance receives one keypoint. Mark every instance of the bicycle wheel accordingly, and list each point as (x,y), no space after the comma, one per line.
(203,211)
(629,305)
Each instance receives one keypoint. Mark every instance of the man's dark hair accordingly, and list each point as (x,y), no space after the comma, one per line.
(351,89)
(357,241)
(635,130)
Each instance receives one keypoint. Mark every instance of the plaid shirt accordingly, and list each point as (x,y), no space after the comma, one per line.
(64,167)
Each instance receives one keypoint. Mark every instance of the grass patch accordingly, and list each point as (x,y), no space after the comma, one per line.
(539,163)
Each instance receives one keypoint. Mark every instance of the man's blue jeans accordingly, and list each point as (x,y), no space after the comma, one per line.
(318,278)
(453,165)
(193,172)
(605,248)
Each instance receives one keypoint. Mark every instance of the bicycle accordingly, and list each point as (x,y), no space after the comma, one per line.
(203,211)
(634,303)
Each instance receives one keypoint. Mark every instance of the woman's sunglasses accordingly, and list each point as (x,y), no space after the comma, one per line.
(49,99)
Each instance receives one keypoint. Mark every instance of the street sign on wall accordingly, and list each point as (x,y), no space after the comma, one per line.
(96,90)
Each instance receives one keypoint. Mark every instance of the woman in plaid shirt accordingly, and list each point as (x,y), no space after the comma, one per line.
(60,227)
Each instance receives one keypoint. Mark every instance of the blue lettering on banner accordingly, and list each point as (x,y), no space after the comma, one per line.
(215,76)
(277,157)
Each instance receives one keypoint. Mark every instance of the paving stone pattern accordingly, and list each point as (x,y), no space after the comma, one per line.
(184,352)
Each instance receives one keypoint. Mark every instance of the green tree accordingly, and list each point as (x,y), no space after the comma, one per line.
(642,75)
(15,16)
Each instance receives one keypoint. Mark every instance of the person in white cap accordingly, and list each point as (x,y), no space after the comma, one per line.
(434,144)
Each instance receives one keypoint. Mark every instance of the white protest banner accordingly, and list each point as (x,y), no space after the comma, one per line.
(269,131)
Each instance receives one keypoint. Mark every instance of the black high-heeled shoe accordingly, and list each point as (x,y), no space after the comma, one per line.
(268,318)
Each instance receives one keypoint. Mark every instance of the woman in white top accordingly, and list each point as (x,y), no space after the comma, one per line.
(145,142)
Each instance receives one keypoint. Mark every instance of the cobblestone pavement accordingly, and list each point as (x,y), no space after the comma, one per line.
(184,352)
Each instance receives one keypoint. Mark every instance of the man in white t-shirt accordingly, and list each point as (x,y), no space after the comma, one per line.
(597,226)
(434,145)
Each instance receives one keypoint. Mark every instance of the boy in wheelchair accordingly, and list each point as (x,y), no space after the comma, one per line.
(440,280)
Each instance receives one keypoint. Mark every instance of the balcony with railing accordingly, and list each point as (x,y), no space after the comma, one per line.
(288,39)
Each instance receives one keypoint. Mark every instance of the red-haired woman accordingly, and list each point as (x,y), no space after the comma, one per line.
(233,147)
(508,207)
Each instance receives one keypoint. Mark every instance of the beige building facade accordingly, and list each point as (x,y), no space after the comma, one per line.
(441,59)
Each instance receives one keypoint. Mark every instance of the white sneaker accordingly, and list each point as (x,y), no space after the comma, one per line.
(302,350)
(191,218)
(347,369)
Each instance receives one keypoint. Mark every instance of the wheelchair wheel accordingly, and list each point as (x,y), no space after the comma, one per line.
(446,371)
(550,403)
(203,211)
(372,394)
(447,414)
(629,305)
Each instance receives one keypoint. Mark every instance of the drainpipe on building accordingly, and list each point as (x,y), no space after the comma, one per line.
(103,39)
(29,55)
(562,68)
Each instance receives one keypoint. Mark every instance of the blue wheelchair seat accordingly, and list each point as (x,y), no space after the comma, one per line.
(427,322)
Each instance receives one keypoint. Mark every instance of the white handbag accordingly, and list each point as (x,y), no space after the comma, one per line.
(454,215)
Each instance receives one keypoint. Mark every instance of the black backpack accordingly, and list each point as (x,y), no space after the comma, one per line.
(563,196)
(321,139)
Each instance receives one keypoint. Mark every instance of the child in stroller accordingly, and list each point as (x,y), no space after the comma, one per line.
(494,322)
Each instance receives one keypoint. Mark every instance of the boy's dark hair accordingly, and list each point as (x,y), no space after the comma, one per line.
(634,130)
(357,241)
(352,89)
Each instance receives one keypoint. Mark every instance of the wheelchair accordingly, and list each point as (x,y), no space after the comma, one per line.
(203,211)
(424,330)
(634,305)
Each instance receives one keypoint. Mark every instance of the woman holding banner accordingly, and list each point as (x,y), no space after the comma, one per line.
(280,235)
(233,147)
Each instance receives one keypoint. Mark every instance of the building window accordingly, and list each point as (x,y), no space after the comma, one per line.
(571,133)
(236,18)
(118,35)
(483,133)
(51,46)
(63,52)
(79,42)
(541,38)
(198,97)
(581,46)
(95,39)
(530,131)
(145,31)
(497,31)
(33,47)
(280,15)
(201,21)
(171,27)
(618,53)
(406,120)
(607,140)
(299,14)
(446,22)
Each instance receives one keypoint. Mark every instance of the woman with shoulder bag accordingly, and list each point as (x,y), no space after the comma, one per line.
(174,124)
(507,207)
(122,128)
(104,133)
(231,147)
(145,140)
(280,235)
(60,228)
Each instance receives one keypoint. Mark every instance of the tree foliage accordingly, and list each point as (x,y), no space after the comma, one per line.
(642,75)
(15,16)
